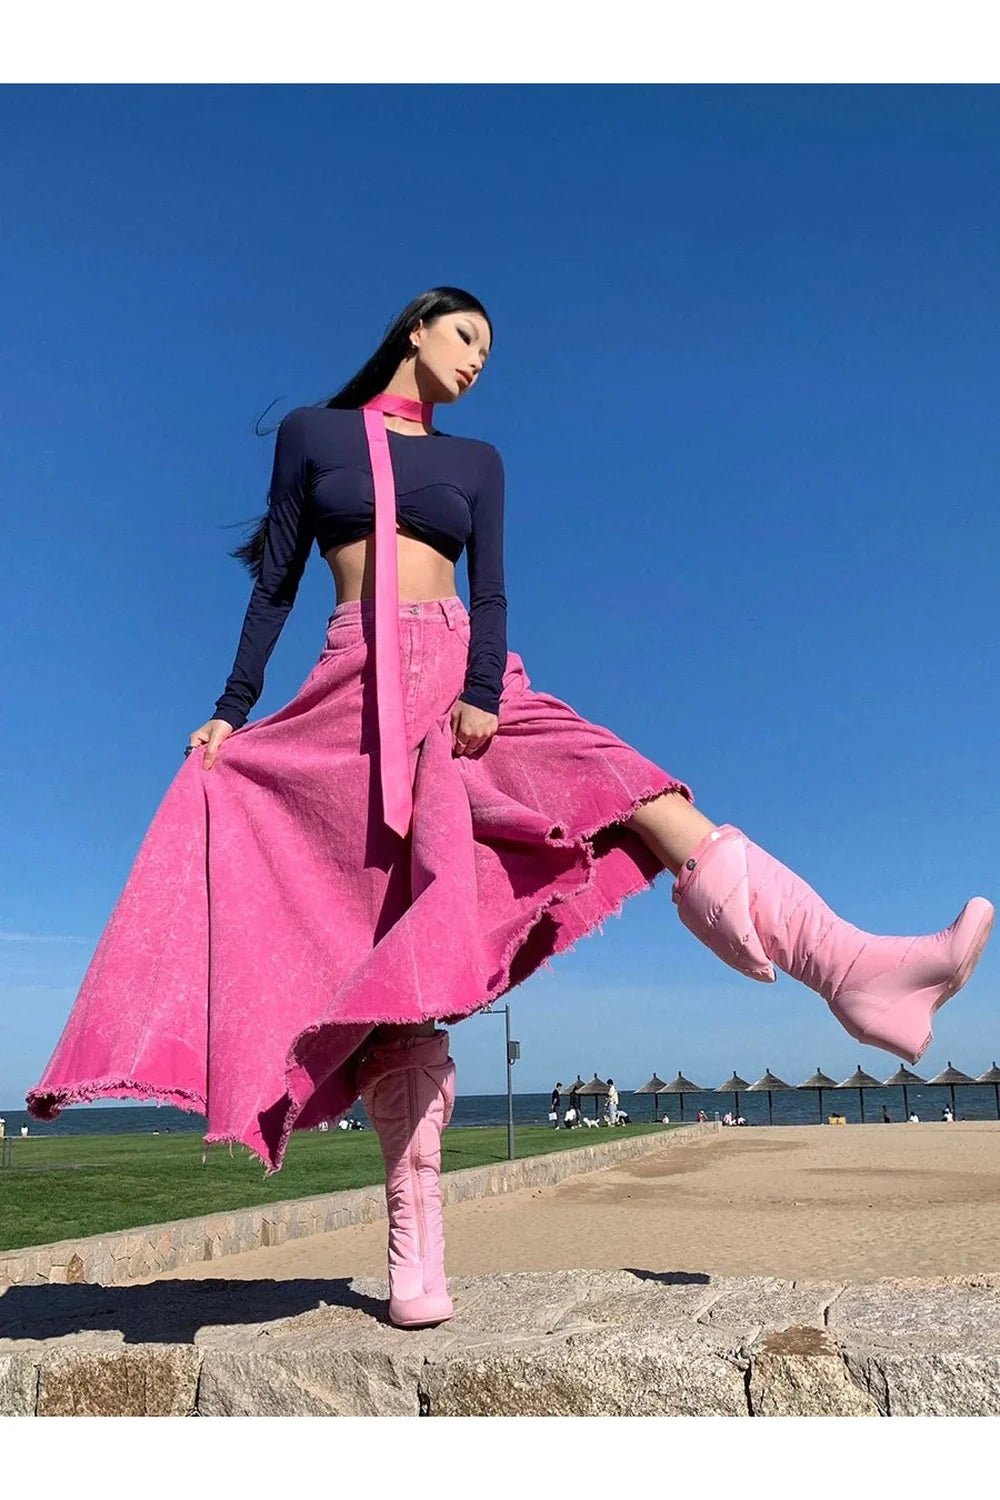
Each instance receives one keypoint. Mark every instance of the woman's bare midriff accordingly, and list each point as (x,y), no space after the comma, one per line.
(423,573)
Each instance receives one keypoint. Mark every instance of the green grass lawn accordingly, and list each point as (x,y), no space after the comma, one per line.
(63,1187)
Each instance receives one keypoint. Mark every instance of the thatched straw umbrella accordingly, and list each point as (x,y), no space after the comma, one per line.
(860,1080)
(767,1084)
(992,1075)
(595,1088)
(655,1086)
(948,1078)
(682,1086)
(903,1078)
(569,1089)
(819,1081)
(735,1086)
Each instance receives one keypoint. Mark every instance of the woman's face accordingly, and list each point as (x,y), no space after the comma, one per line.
(452,350)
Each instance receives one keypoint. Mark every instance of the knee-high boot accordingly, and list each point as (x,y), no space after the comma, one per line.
(753,912)
(408,1090)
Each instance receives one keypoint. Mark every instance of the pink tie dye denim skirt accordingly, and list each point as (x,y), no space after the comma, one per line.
(271,920)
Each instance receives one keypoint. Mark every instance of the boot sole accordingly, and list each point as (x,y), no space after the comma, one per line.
(428,1318)
(963,973)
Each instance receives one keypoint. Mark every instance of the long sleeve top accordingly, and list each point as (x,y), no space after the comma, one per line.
(449,494)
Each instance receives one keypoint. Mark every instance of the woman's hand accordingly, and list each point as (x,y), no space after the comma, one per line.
(472,728)
(211,735)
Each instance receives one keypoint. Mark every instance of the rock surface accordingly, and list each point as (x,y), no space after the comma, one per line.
(569,1343)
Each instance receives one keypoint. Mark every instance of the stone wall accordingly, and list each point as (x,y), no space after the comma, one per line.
(112,1259)
(566,1343)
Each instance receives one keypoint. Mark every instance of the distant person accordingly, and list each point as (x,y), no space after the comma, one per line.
(554,1104)
(740,1120)
(574,1099)
(24,1132)
(612,1102)
(886,1117)
(948,1115)
(701,1117)
(572,1118)
(727,1118)
(913,1118)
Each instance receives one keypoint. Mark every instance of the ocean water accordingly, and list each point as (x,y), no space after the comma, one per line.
(790,1107)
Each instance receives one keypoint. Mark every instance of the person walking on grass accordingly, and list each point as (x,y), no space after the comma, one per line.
(323,890)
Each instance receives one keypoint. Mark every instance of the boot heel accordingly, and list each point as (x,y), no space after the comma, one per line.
(902,1028)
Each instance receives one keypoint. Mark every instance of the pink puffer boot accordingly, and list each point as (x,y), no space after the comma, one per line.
(754,912)
(408,1090)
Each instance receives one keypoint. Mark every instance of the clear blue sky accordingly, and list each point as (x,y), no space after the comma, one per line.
(745,384)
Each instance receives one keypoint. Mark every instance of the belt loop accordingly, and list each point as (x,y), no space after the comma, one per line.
(448,613)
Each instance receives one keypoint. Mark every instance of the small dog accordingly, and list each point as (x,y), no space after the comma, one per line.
(591,1124)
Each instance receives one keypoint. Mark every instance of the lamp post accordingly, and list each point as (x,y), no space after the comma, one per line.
(513,1052)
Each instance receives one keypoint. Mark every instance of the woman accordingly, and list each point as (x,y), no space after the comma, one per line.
(417,830)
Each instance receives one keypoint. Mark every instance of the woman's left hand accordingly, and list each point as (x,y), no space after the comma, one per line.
(472,728)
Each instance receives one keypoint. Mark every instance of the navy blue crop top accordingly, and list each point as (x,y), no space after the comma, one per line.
(449,494)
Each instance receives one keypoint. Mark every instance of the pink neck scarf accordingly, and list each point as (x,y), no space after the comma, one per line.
(394,768)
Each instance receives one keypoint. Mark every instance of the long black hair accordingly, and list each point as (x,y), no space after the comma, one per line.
(373,377)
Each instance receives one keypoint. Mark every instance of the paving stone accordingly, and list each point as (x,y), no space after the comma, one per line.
(18,1384)
(519,1302)
(799,1372)
(141,1380)
(768,1302)
(928,1315)
(623,1300)
(927,1383)
(310,1374)
(679,1373)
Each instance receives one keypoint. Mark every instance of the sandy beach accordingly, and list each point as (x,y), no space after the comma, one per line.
(856,1202)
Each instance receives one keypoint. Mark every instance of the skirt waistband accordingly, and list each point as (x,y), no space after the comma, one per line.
(451,610)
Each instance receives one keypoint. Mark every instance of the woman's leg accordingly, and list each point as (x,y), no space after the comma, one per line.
(671,827)
(753,912)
